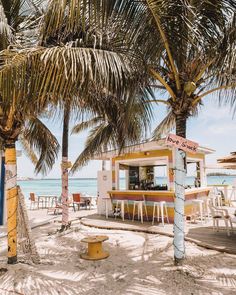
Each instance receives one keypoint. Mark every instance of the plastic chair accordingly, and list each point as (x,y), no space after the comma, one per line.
(220,214)
(77,200)
(200,204)
(34,201)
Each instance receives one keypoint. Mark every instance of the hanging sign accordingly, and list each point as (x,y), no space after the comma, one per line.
(182,143)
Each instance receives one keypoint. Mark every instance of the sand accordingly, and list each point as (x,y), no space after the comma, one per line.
(138,264)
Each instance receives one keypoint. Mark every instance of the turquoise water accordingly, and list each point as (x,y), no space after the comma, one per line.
(89,186)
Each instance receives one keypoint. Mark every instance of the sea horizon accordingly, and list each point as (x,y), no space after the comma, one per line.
(88,186)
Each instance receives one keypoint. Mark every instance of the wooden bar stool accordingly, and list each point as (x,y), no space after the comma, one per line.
(122,204)
(139,205)
(160,206)
(95,251)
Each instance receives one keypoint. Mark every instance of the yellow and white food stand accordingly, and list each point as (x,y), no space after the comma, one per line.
(139,164)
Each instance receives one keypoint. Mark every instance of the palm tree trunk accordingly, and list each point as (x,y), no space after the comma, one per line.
(2,190)
(180,175)
(12,200)
(64,168)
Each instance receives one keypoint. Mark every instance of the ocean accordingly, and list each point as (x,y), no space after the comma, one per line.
(89,185)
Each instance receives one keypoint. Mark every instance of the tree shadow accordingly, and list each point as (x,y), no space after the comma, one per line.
(219,239)
(138,264)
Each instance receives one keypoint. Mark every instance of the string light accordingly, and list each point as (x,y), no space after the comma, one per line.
(179,196)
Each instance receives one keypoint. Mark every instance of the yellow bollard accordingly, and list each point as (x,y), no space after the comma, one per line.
(95,251)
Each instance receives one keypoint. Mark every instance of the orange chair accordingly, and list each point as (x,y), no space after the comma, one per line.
(35,201)
(77,200)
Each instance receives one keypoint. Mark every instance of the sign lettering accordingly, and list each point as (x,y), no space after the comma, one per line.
(182,143)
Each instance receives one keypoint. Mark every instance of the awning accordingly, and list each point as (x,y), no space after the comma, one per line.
(229,159)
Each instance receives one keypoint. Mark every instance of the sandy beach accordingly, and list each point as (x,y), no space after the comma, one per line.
(139,263)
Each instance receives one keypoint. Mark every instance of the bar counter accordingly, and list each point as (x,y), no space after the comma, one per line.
(157,196)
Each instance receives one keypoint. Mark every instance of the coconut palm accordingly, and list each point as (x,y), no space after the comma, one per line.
(114,124)
(15,18)
(39,76)
(19,119)
(189,47)
(96,27)
(196,58)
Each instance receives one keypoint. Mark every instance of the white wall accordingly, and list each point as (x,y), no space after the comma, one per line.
(104,185)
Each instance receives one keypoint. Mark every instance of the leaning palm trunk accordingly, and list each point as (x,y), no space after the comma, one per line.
(180,175)
(25,238)
(12,201)
(64,168)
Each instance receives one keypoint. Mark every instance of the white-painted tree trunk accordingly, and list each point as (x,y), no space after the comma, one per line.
(65,208)
(179,218)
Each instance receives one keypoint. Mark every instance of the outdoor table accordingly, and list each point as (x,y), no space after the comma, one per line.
(85,199)
(95,251)
(47,200)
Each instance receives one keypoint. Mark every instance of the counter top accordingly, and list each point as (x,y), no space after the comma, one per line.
(137,192)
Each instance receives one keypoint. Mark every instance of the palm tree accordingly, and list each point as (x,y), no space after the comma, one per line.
(20,123)
(197,59)
(114,124)
(31,79)
(65,165)
(189,47)
(19,119)
(97,28)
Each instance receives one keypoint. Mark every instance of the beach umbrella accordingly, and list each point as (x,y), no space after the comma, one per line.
(229,160)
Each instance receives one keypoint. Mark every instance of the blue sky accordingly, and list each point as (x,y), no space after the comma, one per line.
(214,128)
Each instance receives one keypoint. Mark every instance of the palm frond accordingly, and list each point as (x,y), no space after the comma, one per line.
(6,35)
(226,64)
(166,125)
(63,72)
(43,142)
(27,149)
(117,123)
(97,24)
(86,125)
(18,10)
(98,138)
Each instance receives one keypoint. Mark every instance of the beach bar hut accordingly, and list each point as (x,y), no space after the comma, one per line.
(139,166)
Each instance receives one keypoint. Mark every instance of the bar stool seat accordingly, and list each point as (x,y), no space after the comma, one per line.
(160,206)
(122,204)
(140,205)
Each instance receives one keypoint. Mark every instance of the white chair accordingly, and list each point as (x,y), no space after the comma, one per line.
(216,195)
(160,206)
(200,205)
(232,198)
(220,214)
(35,201)
(207,203)
(139,205)
(120,204)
